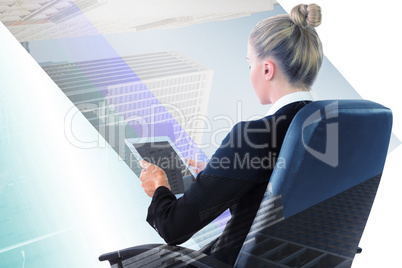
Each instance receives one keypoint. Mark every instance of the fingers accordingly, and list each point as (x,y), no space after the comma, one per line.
(148,185)
(150,193)
(196,163)
(142,175)
(152,177)
(197,166)
(148,189)
(144,164)
(193,163)
(148,166)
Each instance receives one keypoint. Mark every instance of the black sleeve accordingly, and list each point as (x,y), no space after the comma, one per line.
(231,173)
(176,220)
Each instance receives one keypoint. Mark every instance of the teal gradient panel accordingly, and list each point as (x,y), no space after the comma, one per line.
(54,212)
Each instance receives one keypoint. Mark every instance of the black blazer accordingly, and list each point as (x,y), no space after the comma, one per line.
(236,177)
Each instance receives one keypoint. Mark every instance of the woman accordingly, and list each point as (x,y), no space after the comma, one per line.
(284,55)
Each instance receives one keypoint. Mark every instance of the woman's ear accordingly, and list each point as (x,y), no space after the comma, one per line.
(269,69)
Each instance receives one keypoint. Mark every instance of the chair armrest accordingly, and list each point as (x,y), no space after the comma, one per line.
(126,253)
(159,255)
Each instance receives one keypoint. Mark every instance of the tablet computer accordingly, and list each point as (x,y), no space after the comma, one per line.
(162,152)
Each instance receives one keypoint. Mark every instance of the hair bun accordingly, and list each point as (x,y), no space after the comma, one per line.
(306,15)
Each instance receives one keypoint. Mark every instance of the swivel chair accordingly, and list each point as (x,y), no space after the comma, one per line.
(317,201)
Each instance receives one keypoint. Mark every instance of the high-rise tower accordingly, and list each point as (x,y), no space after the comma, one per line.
(157,94)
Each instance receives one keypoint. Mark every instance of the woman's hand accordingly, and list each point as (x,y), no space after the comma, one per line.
(197,166)
(152,177)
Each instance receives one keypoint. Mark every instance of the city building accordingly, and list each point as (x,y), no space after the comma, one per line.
(141,96)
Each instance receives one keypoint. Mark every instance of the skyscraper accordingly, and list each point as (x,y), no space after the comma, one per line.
(157,94)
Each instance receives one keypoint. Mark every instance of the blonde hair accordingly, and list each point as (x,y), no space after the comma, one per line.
(293,42)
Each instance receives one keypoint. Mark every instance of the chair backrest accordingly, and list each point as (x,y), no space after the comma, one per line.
(322,188)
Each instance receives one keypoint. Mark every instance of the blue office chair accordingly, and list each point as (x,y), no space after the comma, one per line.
(317,201)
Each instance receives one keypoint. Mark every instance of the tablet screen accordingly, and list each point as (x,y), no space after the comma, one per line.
(162,154)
